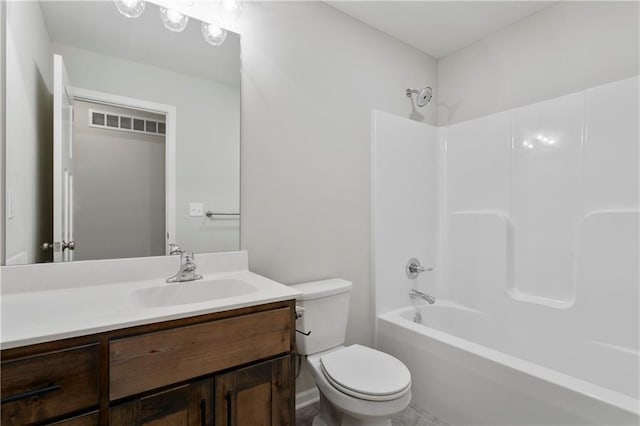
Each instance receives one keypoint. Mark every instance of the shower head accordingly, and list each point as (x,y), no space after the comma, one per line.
(423,95)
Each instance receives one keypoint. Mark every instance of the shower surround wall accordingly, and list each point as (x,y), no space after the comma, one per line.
(536,236)
(549,183)
(404,204)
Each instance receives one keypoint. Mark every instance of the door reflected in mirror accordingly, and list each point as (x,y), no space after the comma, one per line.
(120,135)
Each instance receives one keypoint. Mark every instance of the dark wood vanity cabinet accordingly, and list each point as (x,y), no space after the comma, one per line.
(259,395)
(51,384)
(186,405)
(193,371)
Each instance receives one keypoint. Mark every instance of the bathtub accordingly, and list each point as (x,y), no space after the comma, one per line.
(470,368)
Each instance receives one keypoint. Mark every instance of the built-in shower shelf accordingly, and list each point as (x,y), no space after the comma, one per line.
(545,301)
(496,213)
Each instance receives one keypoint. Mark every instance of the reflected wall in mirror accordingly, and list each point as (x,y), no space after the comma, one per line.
(120,135)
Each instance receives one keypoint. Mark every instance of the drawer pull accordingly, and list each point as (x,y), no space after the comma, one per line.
(229,408)
(29,394)
(203,412)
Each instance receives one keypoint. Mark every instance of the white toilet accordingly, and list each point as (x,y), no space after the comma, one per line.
(358,385)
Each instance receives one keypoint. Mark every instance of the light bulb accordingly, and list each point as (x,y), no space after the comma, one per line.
(229,10)
(213,34)
(173,20)
(130,8)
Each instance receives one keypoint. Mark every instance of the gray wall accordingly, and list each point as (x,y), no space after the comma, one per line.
(3,17)
(311,76)
(119,200)
(207,145)
(28,172)
(563,49)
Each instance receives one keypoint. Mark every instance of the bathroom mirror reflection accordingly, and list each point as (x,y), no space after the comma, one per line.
(121,136)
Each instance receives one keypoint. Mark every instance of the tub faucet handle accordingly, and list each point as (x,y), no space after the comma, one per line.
(414,268)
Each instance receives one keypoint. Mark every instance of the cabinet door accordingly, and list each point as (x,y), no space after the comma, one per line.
(188,405)
(259,395)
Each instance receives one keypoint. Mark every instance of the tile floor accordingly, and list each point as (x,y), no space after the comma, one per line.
(412,416)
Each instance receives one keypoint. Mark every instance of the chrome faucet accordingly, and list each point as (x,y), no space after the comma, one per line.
(414,268)
(415,294)
(187,270)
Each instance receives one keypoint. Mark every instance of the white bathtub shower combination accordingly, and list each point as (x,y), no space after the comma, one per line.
(531,219)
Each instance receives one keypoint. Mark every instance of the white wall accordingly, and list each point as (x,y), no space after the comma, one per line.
(560,50)
(119,188)
(29,71)
(206,166)
(310,78)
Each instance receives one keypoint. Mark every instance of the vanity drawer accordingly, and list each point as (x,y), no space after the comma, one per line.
(41,387)
(89,419)
(141,363)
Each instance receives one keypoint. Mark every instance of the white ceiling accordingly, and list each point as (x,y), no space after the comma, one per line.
(439,28)
(99,27)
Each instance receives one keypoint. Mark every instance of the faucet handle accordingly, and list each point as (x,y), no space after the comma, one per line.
(414,268)
(174,249)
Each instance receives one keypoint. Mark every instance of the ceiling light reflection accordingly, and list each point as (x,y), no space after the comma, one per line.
(130,8)
(229,10)
(538,140)
(213,34)
(173,20)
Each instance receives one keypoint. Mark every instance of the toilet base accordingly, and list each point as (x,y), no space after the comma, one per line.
(330,416)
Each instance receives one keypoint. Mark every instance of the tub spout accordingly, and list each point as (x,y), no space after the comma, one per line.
(415,294)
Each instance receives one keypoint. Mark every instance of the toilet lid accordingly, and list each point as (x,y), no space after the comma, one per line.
(366,373)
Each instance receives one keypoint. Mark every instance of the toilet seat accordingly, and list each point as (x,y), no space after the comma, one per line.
(366,373)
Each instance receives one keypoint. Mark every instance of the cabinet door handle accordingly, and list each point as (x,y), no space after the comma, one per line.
(29,394)
(203,412)
(229,408)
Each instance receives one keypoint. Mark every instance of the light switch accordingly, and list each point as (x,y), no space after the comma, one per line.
(196,209)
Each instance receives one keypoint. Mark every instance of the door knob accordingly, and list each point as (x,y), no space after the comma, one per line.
(46,246)
(71,245)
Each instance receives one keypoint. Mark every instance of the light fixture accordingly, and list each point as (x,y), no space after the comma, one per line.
(130,8)
(213,34)
(173,20)
(176,21)
(229,10)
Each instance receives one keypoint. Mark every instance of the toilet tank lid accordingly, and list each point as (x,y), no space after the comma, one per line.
(324,288)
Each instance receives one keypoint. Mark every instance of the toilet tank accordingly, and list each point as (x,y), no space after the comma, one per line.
(326,310)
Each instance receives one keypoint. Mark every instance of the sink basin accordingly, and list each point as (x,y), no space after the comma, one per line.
(190,292)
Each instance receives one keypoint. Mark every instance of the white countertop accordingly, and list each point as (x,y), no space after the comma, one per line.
(31,317)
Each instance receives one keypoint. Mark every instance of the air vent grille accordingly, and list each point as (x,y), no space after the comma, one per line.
(127,123)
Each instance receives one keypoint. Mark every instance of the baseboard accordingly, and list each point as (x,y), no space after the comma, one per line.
(306,398)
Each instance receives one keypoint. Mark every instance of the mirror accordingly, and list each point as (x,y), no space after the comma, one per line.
(121,136)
